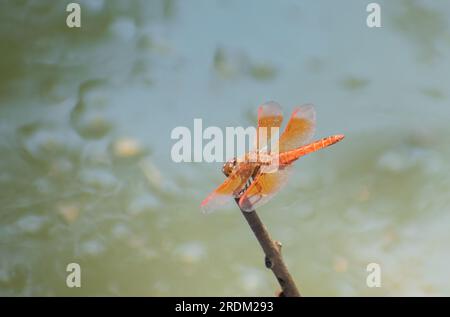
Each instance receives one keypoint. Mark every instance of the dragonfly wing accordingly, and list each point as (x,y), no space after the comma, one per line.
(269,116)
(264,187)
(299,130)
(231,187)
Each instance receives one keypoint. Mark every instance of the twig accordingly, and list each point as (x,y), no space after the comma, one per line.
(272,250)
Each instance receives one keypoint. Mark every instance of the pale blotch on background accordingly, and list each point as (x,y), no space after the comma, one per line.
(151,172)
(404,159)
(42,185)
(120,231)
(69,213)
(142,204)
(392,161)
(340,264)
(364,194)
(389,237)
(142,246)
(123,28)
(191,252)
(251,279)
(31,224)
(161,287)
(137,242)
(127,147)
(148,253)
(93,6)
(97,178)
(92,248)
(61,166)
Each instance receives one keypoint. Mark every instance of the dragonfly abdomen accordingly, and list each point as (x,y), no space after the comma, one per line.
(290,156)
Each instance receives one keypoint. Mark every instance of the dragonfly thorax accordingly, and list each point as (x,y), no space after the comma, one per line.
(253,159)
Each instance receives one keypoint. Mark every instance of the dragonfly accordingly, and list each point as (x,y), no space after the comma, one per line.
(253,179)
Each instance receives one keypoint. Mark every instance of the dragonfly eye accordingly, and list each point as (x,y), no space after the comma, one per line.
(228,167)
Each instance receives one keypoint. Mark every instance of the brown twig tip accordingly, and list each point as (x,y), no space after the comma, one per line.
(272,250)
(279,293)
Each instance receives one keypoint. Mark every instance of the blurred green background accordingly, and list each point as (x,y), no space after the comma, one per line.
(86,174)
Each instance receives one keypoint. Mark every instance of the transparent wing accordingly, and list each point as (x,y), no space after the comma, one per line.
(269,116)
(265,186)
(299,130)
(230,188)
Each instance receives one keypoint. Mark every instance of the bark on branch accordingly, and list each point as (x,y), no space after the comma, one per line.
(272,250)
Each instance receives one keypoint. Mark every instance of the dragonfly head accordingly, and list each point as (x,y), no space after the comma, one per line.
(229,166)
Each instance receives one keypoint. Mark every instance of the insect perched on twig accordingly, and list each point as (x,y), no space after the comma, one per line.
(258,175)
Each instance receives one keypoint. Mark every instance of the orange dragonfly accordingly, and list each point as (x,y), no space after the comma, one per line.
(254,181)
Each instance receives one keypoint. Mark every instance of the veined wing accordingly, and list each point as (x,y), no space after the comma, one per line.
(269,116)
(299,130)
(231,187)
(265,186)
